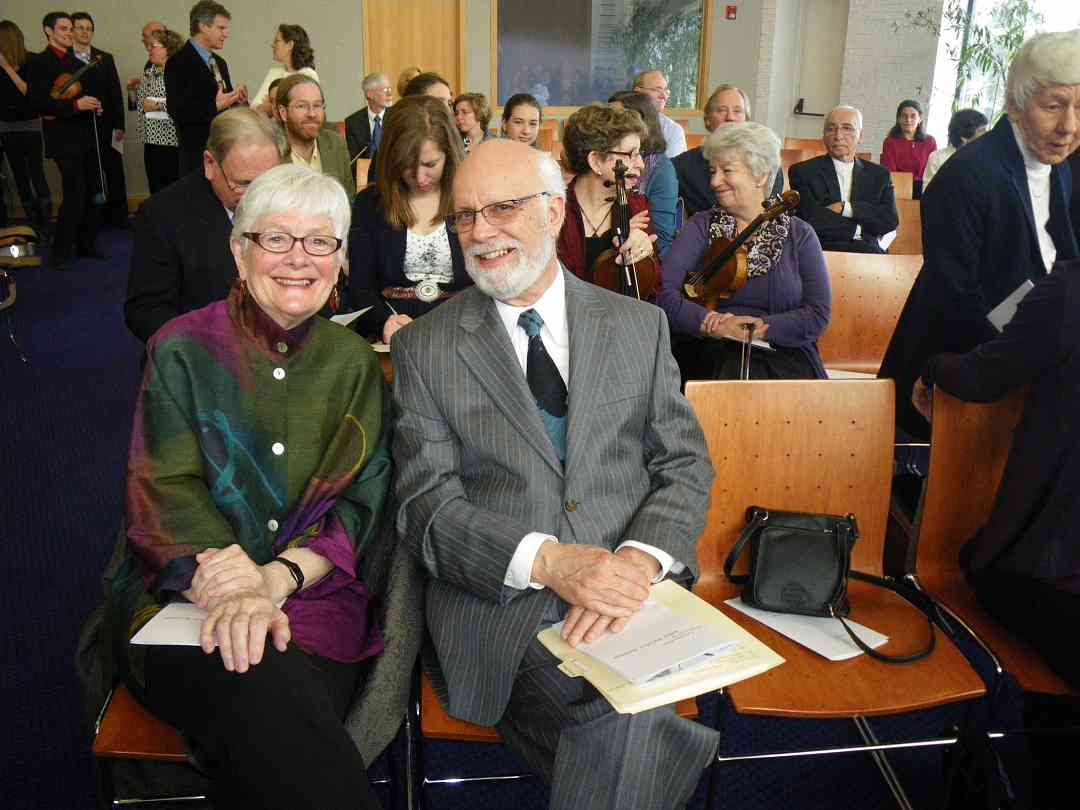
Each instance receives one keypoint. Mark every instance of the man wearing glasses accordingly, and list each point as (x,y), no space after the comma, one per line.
(301,108)
(654,84)
(547,469)
(181,259)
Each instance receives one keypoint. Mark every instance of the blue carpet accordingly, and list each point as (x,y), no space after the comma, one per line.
(63,440)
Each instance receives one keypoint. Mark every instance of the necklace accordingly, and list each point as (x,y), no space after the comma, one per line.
(595,229)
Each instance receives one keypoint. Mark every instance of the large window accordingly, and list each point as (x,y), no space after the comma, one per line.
(978,39)
(573,52)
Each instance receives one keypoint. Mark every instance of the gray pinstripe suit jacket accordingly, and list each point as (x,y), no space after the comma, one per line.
(476,472)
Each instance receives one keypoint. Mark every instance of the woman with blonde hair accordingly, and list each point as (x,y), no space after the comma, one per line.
(20,129)
(403,259)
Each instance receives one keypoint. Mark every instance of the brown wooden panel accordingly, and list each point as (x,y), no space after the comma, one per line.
(868,294)
(903,184)
(128,731)
(908,240)
(436,724)
(695,139)
(817,446)
(363,170)
(812,146)
(426,33)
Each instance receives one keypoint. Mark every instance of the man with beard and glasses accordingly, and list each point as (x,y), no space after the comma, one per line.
(542,477)
(301,108)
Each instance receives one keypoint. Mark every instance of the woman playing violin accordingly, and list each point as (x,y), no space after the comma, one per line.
(594,140)
(786,297)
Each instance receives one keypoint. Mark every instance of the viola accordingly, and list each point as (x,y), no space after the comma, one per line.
(638,279)
(66,86)
(724,267)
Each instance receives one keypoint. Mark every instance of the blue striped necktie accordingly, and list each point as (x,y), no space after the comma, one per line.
(545,382)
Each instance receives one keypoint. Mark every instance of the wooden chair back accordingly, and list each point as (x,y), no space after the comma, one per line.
(363,166)
(798,445)
(908,240)
(695,139)
(903,186)
(128,731)
(812,146)
(969,446)
(551,125)
(338,125)
(868,294)
(867,156)
(545,139)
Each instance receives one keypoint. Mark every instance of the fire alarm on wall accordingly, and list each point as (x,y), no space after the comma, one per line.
(731,12)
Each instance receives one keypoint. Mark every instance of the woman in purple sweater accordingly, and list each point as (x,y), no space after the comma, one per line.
(786,298)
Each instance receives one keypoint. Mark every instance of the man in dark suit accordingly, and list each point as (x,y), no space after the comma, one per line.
(111,122)
(980,238)
(361,124)
(68,130)
(849,202)
(181,259)
(540,479)
(727,105)
(197,82)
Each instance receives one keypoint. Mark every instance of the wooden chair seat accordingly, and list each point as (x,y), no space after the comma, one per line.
(807,686)
(129,731)
(436,724)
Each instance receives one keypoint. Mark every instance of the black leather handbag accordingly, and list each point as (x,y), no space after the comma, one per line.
(800,563)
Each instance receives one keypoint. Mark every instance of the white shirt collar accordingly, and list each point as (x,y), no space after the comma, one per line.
(846,168)
(1035,167)
(551,306)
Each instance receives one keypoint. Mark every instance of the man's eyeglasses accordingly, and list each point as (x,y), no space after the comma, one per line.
(630,156)
(660,91)
(496,213)
(235,188)
(278,242)
(304,108)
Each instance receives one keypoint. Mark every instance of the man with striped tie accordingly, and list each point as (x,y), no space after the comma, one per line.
(197,82)
(548,469)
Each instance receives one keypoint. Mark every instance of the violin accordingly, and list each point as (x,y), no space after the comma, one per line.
(636,279)
(724,267)
(66,86)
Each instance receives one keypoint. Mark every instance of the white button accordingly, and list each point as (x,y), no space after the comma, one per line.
(272,525)
(278,448)
(282,346)
(279,374)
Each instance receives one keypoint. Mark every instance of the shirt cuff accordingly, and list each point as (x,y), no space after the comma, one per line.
(666,560)
(519,572)
(847,212)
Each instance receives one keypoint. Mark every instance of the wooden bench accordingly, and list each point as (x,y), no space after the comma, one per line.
(908,240)
(903,184)
(868,294)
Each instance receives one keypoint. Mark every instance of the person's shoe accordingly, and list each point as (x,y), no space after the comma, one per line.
(93,253)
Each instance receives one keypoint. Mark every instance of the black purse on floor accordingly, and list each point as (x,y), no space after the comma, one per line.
(800,563)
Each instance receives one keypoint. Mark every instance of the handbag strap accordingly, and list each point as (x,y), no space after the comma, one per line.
(887,659)
(757,517)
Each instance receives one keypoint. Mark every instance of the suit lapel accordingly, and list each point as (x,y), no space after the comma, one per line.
(832,182)
(590,333)
(486,349)
(1013,160)
(856,178)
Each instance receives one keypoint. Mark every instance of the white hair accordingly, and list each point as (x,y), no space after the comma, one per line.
(373,81)
(846,108)
(1043,61)
(756,145)
(551,176)
(291,188)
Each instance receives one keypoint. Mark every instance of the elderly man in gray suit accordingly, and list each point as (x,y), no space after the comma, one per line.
(548,468)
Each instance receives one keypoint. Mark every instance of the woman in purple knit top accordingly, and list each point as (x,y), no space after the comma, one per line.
(786,298)
(907,147)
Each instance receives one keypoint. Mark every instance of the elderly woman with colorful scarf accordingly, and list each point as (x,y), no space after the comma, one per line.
(786,298)
(257,474)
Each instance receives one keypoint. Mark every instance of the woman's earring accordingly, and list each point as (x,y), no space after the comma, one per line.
(335,296)
(243,290)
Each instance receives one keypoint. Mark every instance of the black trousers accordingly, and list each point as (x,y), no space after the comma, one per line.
(80,218)
(162,165)
(271,737)
(24,154)
(116,203)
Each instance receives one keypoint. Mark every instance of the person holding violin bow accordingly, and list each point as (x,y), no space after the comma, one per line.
(598,140)
(67,92)
(773,284)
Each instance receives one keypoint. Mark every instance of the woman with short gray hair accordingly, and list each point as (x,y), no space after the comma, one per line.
(786,299)
(257,475)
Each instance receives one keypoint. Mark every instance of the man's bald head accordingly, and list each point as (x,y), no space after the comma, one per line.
(509,248)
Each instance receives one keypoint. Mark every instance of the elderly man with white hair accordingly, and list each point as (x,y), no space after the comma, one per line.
(363,129)
(996,217)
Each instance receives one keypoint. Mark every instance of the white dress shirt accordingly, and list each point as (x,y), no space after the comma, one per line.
(1038,178)
(675,136)
(555,333)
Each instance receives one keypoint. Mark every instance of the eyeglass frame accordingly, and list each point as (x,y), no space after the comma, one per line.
(452,219)
(235,189)
(310,107)
(628,155)
(256,237)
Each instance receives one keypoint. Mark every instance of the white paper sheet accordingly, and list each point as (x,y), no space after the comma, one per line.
(1000,315)
(177,624)
(345,318)
(655,640)
(821,634)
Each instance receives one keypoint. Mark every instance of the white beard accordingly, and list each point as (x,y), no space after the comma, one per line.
(509,282)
